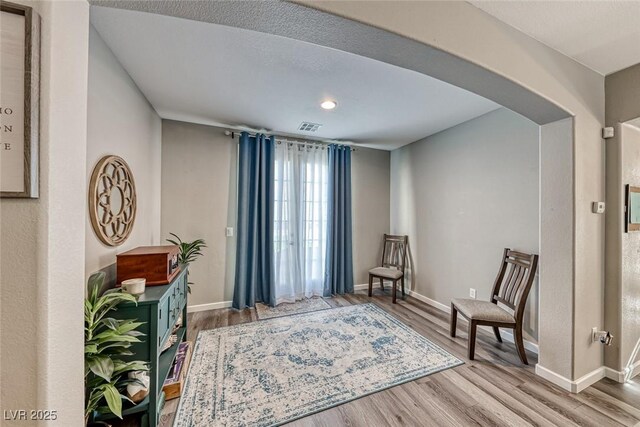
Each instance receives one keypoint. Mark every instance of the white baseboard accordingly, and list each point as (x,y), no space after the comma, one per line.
(506,336)
(210,306)
(635,370)
(624,375)
(572,386)
(612,374)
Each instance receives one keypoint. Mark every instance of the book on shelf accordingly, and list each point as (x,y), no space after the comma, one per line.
(172,386)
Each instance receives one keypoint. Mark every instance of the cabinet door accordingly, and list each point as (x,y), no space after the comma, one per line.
(164,318)
(183,286)
(175,301)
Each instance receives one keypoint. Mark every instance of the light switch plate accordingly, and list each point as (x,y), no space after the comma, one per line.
(229,232)
(598,207)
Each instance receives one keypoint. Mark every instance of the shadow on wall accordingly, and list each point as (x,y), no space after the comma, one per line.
(410,269)
(109,278)
(530,322)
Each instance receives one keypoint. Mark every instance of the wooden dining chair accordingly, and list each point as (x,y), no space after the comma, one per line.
(394,255)
(511,289)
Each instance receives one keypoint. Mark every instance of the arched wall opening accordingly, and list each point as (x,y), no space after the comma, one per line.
(565,354)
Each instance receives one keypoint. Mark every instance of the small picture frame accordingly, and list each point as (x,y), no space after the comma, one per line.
(632,209)
(20,103)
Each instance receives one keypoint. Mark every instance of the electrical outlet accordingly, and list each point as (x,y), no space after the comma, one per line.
(472,293)
(229,232)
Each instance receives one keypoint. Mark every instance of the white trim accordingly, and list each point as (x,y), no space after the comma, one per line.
(572,386)
(361,287)
(210,306)
(506,336)
(635,370)
(624,375)
(612,374)
(551,376)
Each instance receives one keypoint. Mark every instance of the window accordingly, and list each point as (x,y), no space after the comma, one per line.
(300,220)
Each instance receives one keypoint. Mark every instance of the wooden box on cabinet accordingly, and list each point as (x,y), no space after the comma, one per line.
(157,264)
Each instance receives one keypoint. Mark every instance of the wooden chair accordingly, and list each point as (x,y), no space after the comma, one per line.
(510,289)
(394,254)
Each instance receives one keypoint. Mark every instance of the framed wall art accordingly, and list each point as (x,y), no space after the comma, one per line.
(632,208)
(19,100)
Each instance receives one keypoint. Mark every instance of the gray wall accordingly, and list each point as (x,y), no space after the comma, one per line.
(622,278)
(199,199)
(42,240)
(462,196)
(622,95)
(622,313)
(630,291)
(370,182)
(122,122)
(522,66)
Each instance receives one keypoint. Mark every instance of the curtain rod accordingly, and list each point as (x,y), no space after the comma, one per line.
(233,133)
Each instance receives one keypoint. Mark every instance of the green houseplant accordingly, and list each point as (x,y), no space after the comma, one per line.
(106,341)
(189,251)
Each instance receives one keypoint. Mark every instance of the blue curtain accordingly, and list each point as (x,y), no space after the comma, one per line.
(339,262)
(254,252)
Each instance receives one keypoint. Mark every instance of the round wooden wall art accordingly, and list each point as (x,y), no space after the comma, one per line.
(112,200)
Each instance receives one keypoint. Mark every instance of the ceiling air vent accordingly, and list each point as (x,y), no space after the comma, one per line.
(309,127)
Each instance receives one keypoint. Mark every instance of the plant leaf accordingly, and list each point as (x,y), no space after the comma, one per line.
(101,366)
(94,284)
(117,338)
(136,365)
(114,401)
(110,323)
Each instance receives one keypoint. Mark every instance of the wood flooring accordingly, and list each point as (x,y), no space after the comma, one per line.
(493,390)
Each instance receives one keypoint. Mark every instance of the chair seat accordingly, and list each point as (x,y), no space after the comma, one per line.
(482,310)
(387,273)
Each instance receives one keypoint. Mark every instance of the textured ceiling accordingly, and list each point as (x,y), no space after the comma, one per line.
(213,74)
(603,35)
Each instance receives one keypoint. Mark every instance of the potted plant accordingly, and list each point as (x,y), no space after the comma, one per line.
(106,341)
(189,251)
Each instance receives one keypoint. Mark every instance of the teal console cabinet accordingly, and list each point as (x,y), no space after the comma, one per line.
(159,307)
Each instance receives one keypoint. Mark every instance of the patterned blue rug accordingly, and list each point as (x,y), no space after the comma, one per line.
(278,370)
(287,309)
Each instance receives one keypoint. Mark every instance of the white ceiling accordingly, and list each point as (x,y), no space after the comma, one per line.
(212,74)
(603,35)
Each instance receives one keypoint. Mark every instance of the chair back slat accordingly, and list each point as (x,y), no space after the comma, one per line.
(509,291)
(512,288)
(508,282)
(394,251)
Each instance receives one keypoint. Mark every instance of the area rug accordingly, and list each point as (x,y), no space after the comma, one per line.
(274,371)
(286,309)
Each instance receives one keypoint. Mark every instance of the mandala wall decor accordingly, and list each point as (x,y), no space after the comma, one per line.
(112,200)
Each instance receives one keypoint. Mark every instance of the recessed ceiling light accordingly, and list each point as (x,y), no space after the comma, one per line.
(328,105)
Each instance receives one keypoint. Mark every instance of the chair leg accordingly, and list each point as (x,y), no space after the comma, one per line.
(402,283)
(454,321)
(472,339)
(370,285)
(496,331)
(393,291)
(520,344)
(381,283)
